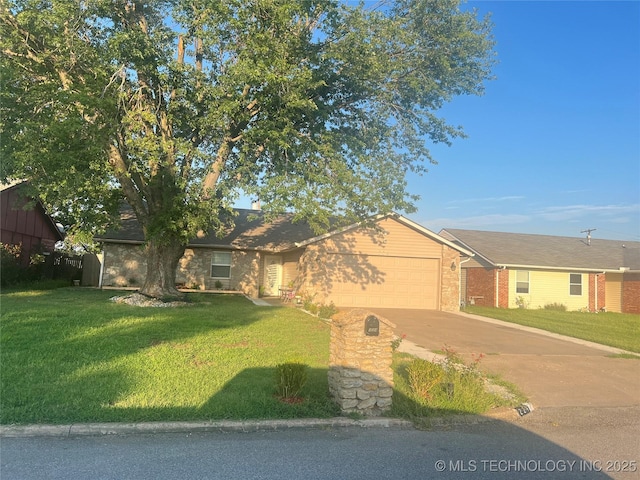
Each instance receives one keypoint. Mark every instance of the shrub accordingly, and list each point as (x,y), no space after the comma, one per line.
(423,376)
(10,267)
(290,379)
(557,307)
(13,272)
(522,302)
(311,308)
(327,311)
(454,364)
(395,343)
(307,303)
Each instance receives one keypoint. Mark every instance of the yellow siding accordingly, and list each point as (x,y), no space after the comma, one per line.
(549,287)
(394,240)
(613,292)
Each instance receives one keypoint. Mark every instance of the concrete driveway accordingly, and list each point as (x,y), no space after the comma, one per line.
(553,371)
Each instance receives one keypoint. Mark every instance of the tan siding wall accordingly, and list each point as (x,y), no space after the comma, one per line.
(549,287)
(393,266)
(290,272)
(613,291)
(395,239)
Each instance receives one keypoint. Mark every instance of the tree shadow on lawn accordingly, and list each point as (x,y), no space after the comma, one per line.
(491,446)
(69,358)
(113,362)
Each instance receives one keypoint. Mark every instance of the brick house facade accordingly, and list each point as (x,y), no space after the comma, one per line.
(511,270)
(397,264)
(631,293)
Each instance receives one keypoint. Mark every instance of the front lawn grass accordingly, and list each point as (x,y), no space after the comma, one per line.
(620,330)
(70,356)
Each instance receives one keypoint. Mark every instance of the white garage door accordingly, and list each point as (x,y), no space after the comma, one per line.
(389,282)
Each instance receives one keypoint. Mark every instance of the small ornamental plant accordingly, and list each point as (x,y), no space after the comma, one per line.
(290,380)
(327,311)
(395,343)
(423,377)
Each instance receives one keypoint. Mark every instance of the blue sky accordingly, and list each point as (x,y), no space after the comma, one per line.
(553,146)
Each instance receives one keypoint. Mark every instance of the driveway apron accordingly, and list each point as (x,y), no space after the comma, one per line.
(551,372)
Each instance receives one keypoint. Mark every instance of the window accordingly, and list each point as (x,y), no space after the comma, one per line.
(522,281)
(575,284)
(221,265)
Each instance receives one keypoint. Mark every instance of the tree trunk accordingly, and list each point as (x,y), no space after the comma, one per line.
(162,263)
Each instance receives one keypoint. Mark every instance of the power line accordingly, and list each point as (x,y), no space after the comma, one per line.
(588,232)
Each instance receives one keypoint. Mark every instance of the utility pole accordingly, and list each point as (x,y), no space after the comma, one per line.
(588,232)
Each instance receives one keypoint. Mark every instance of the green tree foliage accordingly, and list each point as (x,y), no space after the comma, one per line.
(176,106)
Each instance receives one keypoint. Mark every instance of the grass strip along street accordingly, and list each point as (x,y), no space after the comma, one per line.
(620,330)
(71,355)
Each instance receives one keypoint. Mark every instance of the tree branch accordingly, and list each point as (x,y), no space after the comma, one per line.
(129,189)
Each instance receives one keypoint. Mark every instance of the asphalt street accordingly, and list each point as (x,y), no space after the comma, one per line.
(530,448)
(554,443)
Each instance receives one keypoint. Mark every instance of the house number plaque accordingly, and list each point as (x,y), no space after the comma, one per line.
(371,326)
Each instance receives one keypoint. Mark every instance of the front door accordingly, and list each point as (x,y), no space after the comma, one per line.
(272,275)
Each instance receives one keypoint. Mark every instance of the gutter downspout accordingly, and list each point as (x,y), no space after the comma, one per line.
(104,258)
(461,300)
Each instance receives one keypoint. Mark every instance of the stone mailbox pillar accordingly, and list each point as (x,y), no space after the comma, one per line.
(360,356)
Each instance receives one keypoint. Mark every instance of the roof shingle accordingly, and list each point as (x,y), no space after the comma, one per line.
(250,232)
(517,249)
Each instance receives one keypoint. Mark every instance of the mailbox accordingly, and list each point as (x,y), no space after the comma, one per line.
(371,326)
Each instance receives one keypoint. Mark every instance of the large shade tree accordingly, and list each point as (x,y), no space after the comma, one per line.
(178,106)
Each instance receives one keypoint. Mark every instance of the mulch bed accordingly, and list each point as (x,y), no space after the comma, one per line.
(139,300)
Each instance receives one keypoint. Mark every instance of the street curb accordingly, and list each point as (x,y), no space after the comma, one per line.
(232,426)
(99,429)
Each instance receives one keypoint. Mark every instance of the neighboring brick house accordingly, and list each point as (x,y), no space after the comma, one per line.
(396,264)
(511,269)
(24,222)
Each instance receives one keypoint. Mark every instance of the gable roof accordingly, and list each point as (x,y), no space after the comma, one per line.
(502,249)
(400,219)
(251,231)
(13,198)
